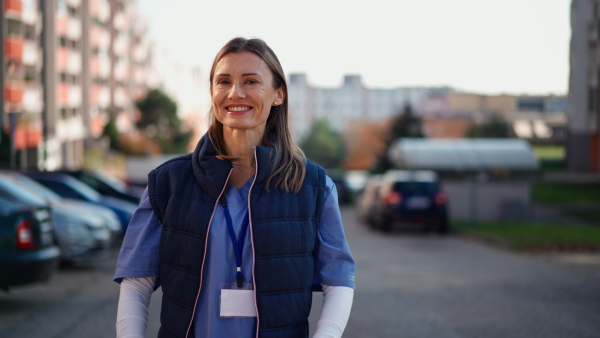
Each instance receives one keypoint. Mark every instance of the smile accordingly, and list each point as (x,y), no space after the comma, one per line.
(238,109)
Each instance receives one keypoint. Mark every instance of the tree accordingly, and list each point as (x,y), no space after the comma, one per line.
(323,145)
(496,127)
(160,122)
(404,124)
(111,131)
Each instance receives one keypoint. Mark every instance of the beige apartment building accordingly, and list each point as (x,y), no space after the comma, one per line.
(69,66)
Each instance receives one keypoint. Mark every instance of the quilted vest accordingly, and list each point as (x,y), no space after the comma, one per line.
(184,193)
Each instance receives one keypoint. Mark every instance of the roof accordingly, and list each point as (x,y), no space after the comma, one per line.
(462,154)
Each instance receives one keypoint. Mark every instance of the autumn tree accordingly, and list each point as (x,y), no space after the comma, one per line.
(404,124)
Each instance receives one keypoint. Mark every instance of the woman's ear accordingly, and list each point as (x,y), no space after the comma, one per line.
(279,96)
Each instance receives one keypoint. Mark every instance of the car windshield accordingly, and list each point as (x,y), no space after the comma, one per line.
(110,181)
(72,188)
(36,188)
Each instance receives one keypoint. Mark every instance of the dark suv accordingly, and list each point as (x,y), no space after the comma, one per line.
(412,199)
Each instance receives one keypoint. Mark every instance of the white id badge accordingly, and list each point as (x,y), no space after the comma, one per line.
(237,302)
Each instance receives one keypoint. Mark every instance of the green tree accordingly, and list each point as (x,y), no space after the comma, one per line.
(404,124)
(111,131)
(160,122)
(323,145)
(496,127)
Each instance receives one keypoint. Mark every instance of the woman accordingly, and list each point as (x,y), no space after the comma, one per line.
(239,232)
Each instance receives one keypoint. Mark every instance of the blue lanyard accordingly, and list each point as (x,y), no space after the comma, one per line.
(238,244)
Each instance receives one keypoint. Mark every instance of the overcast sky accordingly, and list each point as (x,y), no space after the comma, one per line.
(485,46)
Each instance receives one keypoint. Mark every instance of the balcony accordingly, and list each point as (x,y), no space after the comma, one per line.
(74,29)
(100,96)
(120,22)
(62,59)
(74,62)
(13,92)
(28,136)
(31,53)
(99,9)
(96,126)
(30,12)
(62,24)
(70,129)
(13,48)
(32,98)
(74,3)
(13,8)
(75,95)
(63,94)
(121,71)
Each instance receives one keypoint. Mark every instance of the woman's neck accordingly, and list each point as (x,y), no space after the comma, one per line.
(240,144)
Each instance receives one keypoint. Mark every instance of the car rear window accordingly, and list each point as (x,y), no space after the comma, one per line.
(412,187)
(13,191)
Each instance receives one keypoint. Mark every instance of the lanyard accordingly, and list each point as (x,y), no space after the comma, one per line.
(238,244)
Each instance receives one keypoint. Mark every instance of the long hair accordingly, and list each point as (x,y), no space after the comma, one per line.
(288,160)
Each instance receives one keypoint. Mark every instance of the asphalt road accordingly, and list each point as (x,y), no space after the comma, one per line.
(408,285)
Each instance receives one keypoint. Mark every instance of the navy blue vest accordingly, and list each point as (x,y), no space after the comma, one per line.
(183,193)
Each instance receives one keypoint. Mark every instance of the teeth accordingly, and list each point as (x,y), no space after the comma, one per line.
(238,108)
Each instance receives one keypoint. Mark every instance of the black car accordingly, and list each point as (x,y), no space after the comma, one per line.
(412,199)
(28,253)
(104,184)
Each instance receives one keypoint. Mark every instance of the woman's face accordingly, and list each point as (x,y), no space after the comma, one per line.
(242,91)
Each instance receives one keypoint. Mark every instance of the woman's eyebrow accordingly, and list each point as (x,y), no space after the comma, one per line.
(245,74)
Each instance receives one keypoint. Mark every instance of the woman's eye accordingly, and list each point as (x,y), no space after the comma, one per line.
(251,81)
(223,82)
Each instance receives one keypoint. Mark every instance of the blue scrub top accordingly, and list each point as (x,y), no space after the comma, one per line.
(139,257)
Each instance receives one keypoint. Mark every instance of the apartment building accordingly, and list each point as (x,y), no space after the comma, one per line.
(444,111)
(69,66)
(352,102)
(583,140)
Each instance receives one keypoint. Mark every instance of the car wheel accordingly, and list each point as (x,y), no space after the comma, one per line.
(443,226)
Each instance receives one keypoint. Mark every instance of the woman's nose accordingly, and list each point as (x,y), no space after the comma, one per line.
(236,92)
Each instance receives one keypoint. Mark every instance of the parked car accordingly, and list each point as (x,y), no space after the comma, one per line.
(28,253)
(367,202)
(345,194)
(70,187)
(108,216)
(104,184)
(412,199)
(81,232)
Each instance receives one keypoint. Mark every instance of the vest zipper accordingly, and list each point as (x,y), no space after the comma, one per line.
(204,254)
(252,242)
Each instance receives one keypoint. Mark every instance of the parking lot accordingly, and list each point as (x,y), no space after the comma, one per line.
(409,284)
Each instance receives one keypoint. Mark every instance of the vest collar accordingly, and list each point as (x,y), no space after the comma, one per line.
(211,173)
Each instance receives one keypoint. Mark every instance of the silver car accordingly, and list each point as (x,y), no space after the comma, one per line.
(81,232)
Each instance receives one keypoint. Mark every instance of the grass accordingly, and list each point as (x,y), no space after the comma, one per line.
(592,216)
(549,152)
(566,193)
(535,236)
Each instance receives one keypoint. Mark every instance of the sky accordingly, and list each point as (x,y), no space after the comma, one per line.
(482,46)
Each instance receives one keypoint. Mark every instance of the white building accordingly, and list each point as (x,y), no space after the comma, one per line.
(352,101)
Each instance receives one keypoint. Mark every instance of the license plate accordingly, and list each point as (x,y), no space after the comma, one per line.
(417,203)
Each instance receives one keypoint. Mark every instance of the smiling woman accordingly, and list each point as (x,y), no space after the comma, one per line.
(243,93)
(264,219)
